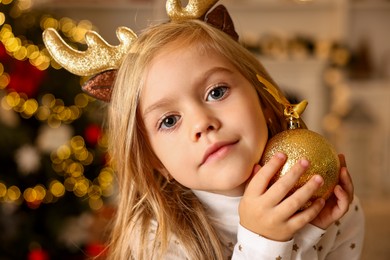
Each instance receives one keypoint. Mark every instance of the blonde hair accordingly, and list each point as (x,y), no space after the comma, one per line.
(144,194)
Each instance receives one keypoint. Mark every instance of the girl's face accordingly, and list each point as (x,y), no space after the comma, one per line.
(203,119)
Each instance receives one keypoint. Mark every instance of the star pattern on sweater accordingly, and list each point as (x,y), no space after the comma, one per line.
(320,243)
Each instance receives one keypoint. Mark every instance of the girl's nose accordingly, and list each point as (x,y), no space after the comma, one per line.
(203,122)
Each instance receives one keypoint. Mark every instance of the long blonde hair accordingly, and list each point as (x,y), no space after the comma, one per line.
(144,194)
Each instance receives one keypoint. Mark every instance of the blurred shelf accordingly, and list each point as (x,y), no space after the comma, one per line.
(371,6)
(370,84)
(90,4)
(245,5)
(281,5)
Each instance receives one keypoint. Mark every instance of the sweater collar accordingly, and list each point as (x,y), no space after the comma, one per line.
(219,206)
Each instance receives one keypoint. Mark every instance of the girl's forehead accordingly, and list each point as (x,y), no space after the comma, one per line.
(174,51)
(177,57)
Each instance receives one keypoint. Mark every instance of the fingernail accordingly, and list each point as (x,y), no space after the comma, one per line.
(342,160)
(318,179)
(338,188)
(280,155)
(304,163)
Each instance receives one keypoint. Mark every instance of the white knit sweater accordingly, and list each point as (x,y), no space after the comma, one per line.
(342,240)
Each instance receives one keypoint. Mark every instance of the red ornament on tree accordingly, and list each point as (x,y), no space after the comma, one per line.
(92,134)
(38,254)
(25,78)
(4,57)
(96,250)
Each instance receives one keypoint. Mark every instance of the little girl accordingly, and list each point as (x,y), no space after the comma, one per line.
(188,123)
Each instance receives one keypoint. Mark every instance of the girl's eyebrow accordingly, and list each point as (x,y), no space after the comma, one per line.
(157,105)
(210,72)
(198,82)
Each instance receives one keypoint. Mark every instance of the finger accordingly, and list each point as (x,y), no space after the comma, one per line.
(259,182)
(306,216)
(278,191)
(346,183)
(345,178)
(342,201)
(342,160)
(301,196)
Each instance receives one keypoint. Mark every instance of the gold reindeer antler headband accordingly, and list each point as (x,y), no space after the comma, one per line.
(102,60)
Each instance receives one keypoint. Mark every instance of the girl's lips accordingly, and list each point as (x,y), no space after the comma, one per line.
(216,149)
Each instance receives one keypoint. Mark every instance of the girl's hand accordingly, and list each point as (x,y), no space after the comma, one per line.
(338,204)
(268,212)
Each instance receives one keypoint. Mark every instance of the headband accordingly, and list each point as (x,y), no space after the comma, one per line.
(101,61)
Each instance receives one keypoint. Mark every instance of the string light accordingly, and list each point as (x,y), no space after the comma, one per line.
(6,2)
(69,160)
(54,112)
(2,18)
(21,49)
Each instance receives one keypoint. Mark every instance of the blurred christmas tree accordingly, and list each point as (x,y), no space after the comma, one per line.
(54,180)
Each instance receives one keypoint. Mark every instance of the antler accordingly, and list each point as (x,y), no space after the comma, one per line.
(194,9)
(99,56)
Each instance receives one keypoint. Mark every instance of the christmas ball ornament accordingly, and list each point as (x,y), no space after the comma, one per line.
(298,143)
(303,143)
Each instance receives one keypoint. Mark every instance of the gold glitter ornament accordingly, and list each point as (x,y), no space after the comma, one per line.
(298,143)
(303,143)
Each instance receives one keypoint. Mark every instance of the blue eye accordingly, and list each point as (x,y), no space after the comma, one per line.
(217,93)
(169,122)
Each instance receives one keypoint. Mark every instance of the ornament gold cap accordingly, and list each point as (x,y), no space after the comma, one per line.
(293,123)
